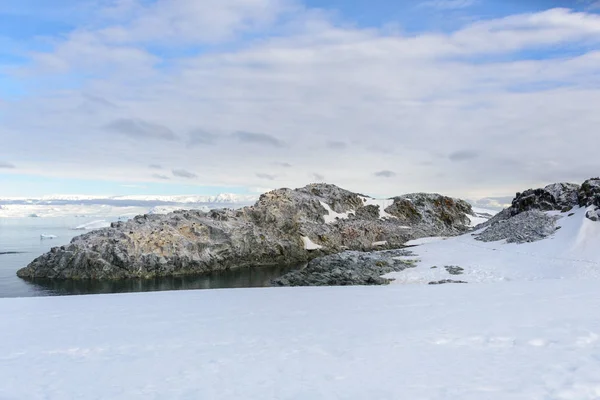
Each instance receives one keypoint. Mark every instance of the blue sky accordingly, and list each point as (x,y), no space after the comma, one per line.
(250,95)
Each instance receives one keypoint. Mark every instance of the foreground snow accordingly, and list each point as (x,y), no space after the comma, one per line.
(519,340)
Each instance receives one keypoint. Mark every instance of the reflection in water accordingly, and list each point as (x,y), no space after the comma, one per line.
(236,278)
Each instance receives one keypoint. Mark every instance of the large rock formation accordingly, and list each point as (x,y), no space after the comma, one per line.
(557,196)
(525,220)
(283,227)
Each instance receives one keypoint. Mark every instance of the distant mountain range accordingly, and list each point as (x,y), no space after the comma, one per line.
(134,200)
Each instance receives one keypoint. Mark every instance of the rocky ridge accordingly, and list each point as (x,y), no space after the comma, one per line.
(526,221)
(283,227)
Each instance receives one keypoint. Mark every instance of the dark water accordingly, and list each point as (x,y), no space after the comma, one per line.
(20,243)
(237,278)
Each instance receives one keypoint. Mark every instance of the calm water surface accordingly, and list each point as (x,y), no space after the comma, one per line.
(20,243)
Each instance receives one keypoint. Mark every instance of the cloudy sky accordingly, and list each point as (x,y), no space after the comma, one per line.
(472,98)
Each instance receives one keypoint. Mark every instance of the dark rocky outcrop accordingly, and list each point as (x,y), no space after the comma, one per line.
(284,227)
(589,193)
(558,196)
(445,281)
(589,196)
(525,220)
(348,268)
(528,226)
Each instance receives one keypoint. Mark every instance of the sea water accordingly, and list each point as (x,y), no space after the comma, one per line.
(21,242)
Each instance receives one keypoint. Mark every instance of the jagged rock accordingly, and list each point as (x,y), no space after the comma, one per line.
(557,196)
(589,193)
(348,268)
(284,227)
(593,215)
(369,212)
(454,269)
(528,226)
(431,209)
(525,221)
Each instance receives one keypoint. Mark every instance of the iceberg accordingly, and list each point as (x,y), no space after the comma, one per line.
(99,224)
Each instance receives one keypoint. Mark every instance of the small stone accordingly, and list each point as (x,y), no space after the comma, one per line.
(454,270)
(444,281)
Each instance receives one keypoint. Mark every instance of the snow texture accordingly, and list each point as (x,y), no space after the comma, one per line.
(309,244)
(380,243)
(524,327)
(518,341)
(331,215)
(381,203)
(571,252)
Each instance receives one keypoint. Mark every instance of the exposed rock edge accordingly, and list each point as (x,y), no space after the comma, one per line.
(275,230)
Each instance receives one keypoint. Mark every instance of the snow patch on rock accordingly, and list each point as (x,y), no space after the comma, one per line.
(309,244)
(333,216)
(381,203)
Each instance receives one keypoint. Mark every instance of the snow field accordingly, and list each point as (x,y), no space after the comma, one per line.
(520,340)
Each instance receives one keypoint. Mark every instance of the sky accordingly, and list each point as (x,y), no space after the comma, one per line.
(470,98)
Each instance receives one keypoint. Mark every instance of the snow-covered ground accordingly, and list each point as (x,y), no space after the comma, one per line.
(572,252)
(481,215)
(525,327)
(517,340)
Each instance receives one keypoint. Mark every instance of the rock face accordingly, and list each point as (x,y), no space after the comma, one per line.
(589,193)
(284,227)
(525,220)
(557,196)
(528,226)
(348,268)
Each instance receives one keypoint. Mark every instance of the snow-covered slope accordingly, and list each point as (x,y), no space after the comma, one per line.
(518,341)
(572,251)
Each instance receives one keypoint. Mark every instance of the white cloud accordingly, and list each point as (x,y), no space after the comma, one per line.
(408,104)
(6,165)
(191,21)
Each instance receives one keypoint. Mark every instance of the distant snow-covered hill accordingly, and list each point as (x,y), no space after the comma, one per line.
(183,199)
(111,206)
